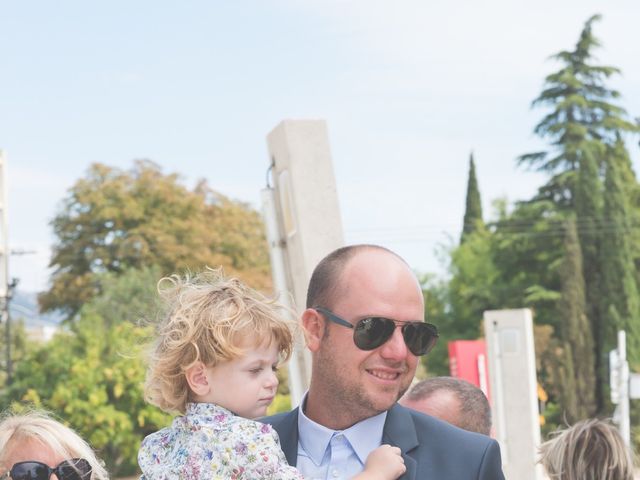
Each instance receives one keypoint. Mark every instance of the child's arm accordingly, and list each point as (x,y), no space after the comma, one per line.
(384,463)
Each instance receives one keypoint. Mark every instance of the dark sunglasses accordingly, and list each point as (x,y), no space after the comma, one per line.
(371,332)
(73,469)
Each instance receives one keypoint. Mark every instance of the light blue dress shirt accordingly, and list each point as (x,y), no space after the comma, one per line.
(325,454)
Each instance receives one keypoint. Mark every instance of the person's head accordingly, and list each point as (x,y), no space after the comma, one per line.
(33,443)
(589,450)
(219,342)
(453,400)
(362,285)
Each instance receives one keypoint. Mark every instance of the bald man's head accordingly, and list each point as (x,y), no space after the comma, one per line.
(453,400)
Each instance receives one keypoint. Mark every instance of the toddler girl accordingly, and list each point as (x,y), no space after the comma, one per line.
(214,362)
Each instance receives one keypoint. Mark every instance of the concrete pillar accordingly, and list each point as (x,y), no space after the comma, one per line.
(308,215)
(512,374)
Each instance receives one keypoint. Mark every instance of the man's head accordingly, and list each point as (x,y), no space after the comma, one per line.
(453,400)
(349,384)
(592,448)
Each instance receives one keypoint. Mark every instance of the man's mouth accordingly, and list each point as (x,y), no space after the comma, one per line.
(384,375)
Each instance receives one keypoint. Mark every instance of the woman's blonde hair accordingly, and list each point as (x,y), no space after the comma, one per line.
(589,450)
(208,318)
(39,426)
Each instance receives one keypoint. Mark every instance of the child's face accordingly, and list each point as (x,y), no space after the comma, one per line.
(247,384)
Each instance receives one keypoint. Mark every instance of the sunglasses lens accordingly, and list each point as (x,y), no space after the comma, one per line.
(372,332)
(29,471)
(74,469)
(420,337)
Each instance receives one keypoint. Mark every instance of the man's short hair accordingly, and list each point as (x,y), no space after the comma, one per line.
(325,279)
(475,411)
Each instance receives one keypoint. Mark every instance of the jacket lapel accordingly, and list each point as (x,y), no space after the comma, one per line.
(287,428)
(399,430)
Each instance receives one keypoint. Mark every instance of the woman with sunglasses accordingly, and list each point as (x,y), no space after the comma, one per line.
(33,446)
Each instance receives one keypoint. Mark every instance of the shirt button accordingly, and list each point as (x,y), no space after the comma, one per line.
(335,473)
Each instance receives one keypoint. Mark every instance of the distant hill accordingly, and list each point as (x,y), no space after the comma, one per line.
(24,305)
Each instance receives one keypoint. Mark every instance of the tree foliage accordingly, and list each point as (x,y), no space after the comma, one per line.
(578,368)
(473,206)
(571,253)
(621,302)
(91,374)
(583,116)
(113,220)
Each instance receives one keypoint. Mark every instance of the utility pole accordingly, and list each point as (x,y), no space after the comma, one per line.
(4,263)
(4,238)
(619,378)
(6,315)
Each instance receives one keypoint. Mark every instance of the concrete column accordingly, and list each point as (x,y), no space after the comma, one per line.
(512,373)
(307,211)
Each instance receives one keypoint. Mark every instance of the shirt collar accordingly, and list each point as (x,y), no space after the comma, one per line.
(364,436)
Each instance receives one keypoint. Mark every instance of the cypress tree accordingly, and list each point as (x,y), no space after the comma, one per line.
(578,391)
(588,206)
(620,298)
(473,209)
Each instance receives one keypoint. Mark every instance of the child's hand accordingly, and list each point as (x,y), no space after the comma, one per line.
(385,463)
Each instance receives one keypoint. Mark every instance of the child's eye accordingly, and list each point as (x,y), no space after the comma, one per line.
(256,370)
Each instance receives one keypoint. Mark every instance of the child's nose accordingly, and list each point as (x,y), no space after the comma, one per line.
(272,381)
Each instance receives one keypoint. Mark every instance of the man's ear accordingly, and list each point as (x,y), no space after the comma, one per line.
(196,376)
(314,325)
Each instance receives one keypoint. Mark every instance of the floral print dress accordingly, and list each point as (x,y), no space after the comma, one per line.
(209,442)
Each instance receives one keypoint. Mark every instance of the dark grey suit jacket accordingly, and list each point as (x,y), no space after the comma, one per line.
(432,449)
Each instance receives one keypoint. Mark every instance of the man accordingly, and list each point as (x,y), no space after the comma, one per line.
(453,400)
(362,363)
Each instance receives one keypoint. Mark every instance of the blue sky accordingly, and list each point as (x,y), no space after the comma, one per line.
(408,89)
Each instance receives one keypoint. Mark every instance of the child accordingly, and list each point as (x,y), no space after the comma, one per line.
(214,361)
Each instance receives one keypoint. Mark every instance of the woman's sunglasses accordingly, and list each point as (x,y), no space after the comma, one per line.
(73,469)
(371,332)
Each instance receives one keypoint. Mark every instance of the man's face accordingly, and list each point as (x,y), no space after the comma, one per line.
(358,384)
(442,404)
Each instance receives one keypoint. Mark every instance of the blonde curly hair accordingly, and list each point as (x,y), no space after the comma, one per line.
(207,318)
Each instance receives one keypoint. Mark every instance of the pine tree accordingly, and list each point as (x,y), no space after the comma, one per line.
(575,333)
(583,118)
(473,211)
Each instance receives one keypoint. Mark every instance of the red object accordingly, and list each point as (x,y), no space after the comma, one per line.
(468,360)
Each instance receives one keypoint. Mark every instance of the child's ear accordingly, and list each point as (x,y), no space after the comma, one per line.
(196,376)
(314,325)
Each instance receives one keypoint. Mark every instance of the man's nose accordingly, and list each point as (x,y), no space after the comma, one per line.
(395,348)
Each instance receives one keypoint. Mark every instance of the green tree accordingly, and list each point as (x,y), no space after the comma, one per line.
(582,118)
(471,292)
(435,292)
(621,302)
(113,220)
(92,373)
(584,127)
(473,205)
(578,393)
(588,207)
